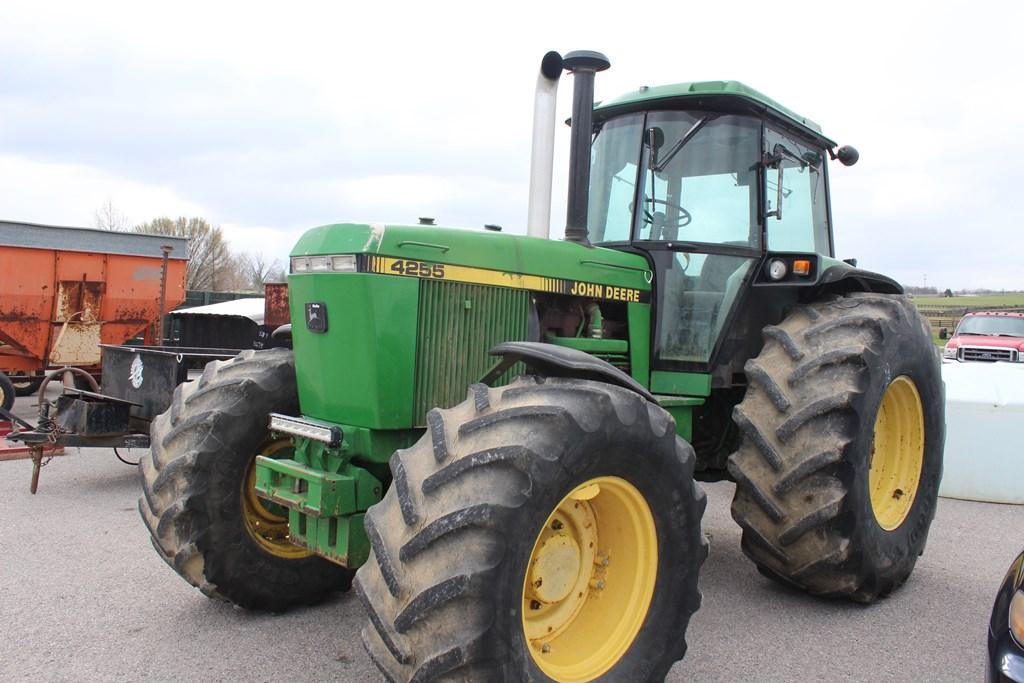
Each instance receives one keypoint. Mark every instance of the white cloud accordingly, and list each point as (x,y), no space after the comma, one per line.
(268,118)
(69,194)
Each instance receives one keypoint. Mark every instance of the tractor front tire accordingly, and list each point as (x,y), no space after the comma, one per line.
(837,473)
(199,504)
(546,530)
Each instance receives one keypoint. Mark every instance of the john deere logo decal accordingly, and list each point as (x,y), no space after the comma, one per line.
(426,270)
(316,316)
(135,372)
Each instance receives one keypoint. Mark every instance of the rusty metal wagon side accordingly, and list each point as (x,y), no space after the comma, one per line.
(64,291)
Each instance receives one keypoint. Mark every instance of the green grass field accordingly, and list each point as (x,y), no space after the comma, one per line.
(973,303)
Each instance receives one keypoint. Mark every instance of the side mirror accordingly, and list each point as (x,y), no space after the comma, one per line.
(847,155)
(943,333)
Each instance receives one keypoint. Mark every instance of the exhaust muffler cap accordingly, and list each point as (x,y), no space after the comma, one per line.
(587,60)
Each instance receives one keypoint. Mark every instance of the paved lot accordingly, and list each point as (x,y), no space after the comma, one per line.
(84,597)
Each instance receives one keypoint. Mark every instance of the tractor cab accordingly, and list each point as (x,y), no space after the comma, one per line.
(708,181)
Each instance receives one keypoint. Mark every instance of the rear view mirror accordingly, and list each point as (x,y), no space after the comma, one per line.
(847,155)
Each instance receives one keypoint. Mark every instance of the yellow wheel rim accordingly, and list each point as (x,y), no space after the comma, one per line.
(589,581)
(265,526)
(897,453)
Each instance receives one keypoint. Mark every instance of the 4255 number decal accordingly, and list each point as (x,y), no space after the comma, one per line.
(418,269)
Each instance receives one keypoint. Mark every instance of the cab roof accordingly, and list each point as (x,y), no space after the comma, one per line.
(729,95)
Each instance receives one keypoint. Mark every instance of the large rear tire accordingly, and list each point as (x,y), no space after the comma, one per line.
(838,470)
(545,530)
(199,504)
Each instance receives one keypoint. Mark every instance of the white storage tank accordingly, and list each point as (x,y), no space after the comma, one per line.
(984,457)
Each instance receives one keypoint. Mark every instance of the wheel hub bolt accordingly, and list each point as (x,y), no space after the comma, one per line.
(534,604)
(556,525)
(546,648)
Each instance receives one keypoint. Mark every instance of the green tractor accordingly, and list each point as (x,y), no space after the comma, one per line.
(503,434)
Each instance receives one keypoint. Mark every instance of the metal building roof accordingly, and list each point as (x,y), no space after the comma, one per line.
(91,240)
(252,308)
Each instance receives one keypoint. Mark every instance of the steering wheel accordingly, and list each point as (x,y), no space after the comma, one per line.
(681,222)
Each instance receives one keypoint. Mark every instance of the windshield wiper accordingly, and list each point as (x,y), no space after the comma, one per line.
(663,163)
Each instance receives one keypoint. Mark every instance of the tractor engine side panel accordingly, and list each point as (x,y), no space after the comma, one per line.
(458,323)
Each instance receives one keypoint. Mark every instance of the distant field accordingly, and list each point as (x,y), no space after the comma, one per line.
(972,303)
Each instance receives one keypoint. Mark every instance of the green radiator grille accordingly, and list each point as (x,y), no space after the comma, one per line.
(457,324)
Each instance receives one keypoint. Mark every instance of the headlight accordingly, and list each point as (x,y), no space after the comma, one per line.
(777,269)
(1017,616)
(949,352)
(344,263)
(319,264)
(338,263)
(330,435)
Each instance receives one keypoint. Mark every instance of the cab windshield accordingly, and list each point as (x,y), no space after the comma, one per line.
(694,175)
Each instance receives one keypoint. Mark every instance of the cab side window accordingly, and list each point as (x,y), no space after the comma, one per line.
(796,211)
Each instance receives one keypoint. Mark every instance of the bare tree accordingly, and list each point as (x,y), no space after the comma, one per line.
(258,270)
(232,277)
(108,217)
(211,266)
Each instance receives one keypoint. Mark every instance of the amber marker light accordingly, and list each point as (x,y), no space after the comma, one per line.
(801,267)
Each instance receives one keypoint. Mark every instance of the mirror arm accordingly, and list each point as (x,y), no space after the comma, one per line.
(778,199)
(651,143)
(769,161)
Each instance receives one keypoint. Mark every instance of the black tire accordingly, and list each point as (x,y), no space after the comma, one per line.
(808,425)
(26,387)
(451,539)
(192,481)
(7,392)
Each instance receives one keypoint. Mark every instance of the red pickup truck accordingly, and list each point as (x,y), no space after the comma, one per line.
(988,336)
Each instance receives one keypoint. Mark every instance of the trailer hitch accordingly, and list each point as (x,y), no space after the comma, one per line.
(77,417)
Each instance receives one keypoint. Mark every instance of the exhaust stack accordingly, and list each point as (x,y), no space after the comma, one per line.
(583,64)
(542,156)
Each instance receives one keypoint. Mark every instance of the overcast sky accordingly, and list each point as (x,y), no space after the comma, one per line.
(268,119)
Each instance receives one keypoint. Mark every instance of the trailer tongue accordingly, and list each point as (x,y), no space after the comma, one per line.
(137,385)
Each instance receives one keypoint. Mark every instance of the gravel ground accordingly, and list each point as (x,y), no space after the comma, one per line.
(84,597)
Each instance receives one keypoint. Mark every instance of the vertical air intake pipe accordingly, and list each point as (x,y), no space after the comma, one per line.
(542,156)
(583,64)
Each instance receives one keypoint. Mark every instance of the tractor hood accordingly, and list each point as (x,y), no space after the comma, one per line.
(501,255)
(391,320)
